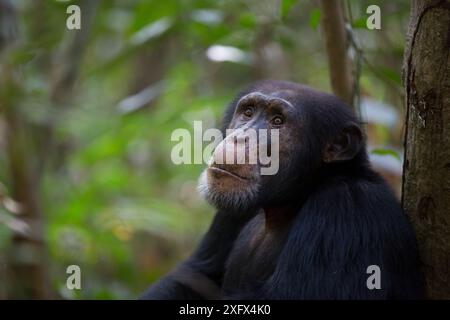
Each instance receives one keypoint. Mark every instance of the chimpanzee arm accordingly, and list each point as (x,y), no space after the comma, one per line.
(200,276)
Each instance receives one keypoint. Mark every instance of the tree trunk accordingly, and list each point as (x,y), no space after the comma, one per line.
(336,41)
(27,259)
(426,183)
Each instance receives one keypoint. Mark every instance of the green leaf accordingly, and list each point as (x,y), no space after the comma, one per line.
(393,75)
(286,6)
(386,152)
(314,18)
(359,23)
(247,20)
(23,56)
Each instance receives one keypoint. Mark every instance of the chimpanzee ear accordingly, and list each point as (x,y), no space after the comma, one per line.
(345,146)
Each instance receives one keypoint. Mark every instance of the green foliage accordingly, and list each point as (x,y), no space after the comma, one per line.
(393,75)
(360,23)
(286,6)
(315,17)
(387,152)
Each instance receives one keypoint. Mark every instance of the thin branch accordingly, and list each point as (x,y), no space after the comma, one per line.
(336,41)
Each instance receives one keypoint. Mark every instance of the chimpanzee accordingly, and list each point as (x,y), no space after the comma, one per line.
(310,231)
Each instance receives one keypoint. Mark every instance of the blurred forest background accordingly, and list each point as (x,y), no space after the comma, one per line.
(86,118)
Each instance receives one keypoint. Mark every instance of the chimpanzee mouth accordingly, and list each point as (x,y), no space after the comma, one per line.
(229,173)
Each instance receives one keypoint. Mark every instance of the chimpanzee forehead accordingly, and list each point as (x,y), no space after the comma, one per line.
(283,89)
(283,94)
(296,94)
(267,98)
(288,96)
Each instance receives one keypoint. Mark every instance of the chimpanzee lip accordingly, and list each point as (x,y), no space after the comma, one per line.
(232,174)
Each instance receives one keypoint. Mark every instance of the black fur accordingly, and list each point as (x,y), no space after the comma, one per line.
(346,219)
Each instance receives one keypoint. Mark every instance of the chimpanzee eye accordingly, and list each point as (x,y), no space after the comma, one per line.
(277,121)
(248,112)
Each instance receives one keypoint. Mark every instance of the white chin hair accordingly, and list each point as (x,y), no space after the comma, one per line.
(242,199)
(202,186)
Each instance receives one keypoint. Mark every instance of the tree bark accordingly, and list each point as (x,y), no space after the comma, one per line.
(426,183)
(336,41)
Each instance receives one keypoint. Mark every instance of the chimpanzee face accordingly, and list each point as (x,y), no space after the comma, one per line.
(281,137)
(256,153)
